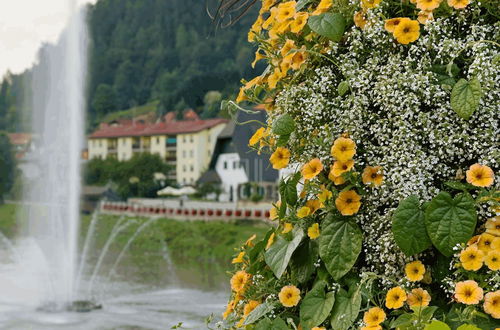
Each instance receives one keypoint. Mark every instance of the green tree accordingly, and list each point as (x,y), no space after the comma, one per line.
(104,100)
(7,166)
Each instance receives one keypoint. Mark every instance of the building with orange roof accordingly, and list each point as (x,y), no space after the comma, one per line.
(186,144)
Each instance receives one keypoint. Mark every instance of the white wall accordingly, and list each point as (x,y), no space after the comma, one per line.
(231,176)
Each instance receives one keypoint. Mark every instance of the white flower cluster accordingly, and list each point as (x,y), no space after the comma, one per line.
(400,117)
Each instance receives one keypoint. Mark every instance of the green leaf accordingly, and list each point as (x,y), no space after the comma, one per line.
(402,320)
(330,25)
(282,140)
(303,259)
(316,306)
(279,254)
(437,325)
(264,324)
(346,309)
(465,97)
(458,185)
(301,4)
(408,227)
(343,88)
(427,313)
(258,312)
(450,221)
(468,327)
(339,244)
(291,192)
(278,324)
(283,125)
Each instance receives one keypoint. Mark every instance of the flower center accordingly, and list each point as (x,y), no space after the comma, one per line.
(467,293)
(348,201)
(374,175)
(472,256)
(406,30)
(415,270)
(396,297)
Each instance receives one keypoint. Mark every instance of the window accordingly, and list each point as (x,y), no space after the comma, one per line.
(157,140)
(192,168)
(184,139)
(191,153)
(183,153)
(225,165)
(191,139)
(235,165)
(183,168)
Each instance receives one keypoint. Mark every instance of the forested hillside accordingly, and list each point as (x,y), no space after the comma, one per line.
(145,50)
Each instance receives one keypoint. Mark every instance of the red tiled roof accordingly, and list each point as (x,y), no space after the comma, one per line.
(170,128)
(19,138)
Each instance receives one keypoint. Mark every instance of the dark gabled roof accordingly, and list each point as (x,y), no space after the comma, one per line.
(234,138)
(209,176)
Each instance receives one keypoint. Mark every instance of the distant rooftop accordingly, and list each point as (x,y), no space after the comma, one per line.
(169,127)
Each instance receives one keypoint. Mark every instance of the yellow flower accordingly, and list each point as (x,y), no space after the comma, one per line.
(395,298)
(289,296)
(458,4)
(266,5)
(472,258)
(415,271)
(303,212)
(286,10)
(280,158)
(249,241)
(323,7)
(360,19)
(313,231)
(428,4)
(337,180)
(369,4)
(390,24)
(249,307)
(257,25)
(348,202)
(425,16)
(480,175)
(374,316)
(373,175)
(287,47)
(287,228)
(239,280)
(297,59)
(241,95)
(492,304)
(271,19)
(485,241)
(343,149)
(273,212)
(492,260)
(418,297)
(258,57)
(407,31)
(340,167)
(468,292)
(493,226)
(257,136)
(255,81)
(239,258)
(274,78)
(324,195)
(318,328)
(299,21)
(314,205)
(496,244)
(229,309)
(270,241)
(312,169)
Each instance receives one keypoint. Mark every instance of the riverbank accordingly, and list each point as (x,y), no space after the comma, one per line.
(187,253)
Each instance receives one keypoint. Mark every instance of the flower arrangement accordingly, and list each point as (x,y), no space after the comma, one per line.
(386,114)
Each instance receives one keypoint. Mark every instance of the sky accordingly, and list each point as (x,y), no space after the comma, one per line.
(25,25)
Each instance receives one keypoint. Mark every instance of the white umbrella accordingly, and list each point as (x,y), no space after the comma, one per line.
(169,191)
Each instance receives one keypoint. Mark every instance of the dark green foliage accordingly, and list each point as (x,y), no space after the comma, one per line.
(7,166)
(165,50)
(133,178)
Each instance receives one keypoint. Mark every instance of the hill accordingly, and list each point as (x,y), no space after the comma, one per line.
(151,50)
